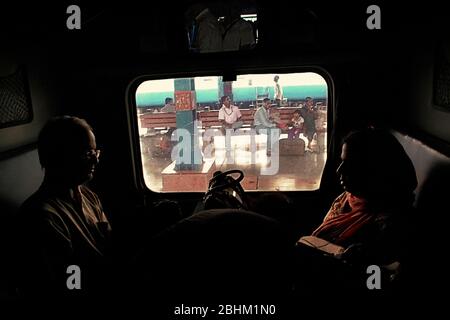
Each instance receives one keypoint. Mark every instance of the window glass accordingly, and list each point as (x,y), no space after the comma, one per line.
(273,127)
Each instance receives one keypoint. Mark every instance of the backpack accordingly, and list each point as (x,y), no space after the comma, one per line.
(224,191)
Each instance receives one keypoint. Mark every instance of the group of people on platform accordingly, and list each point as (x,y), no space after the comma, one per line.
(303,120)
(265,120)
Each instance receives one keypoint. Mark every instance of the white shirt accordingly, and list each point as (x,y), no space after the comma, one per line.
(230,115)
(298,123)
(278,92)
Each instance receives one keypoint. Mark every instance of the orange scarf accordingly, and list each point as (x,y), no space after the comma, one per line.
(346,216)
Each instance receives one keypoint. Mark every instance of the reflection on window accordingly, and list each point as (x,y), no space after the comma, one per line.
(271,126)
(223,26)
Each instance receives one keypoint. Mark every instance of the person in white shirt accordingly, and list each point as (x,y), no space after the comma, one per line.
(297,125)
(229,116)
(278,96)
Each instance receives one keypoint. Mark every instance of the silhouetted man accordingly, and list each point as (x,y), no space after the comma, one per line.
(64,233)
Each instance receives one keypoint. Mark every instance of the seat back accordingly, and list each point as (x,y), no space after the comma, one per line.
(427,266)
(20,177)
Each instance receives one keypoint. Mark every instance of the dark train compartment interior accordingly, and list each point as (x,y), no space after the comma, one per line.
(396,77)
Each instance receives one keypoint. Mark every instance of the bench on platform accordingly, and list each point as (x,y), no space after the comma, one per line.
(208,118)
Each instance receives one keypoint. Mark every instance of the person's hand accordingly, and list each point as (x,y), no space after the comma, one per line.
(354,252)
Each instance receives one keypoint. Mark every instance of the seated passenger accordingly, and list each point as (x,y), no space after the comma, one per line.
(63,223)
(275,116)
(379,181)
(368,220)
(297,125)
(229,115)
(263,122)
(169,106)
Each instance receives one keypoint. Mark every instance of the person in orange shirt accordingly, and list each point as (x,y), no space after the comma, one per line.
(378,179)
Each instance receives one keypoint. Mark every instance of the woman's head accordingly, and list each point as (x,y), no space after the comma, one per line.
(375,165)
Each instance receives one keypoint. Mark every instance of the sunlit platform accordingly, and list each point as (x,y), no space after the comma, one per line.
(262,172)
(186,180)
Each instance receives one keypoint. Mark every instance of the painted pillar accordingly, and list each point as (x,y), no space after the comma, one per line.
(189,157)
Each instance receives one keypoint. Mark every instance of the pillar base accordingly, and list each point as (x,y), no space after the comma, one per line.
(188,180)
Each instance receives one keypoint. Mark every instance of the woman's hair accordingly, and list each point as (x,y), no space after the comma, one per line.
(385,168)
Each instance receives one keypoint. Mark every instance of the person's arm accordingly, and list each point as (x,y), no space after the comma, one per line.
(238,113)
(316,114)
(261,118)
(221,114)
(221,117)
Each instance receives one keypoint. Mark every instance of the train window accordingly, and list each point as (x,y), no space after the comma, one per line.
(271,126)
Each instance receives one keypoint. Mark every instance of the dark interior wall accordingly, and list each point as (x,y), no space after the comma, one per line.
(374,71)
(371,70)
(42,93)
(19,165)
(423,113)
(20,170)
(86,73)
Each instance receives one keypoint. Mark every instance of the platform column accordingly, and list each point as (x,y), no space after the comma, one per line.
(186,116)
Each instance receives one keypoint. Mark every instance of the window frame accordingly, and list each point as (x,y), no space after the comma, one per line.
(133,126)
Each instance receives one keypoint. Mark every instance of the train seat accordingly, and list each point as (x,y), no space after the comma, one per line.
(427,267)
(21,176)
(215,252)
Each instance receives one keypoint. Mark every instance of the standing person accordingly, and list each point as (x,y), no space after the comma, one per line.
(63,224)
(309,115)
(278,95)
(263,122)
